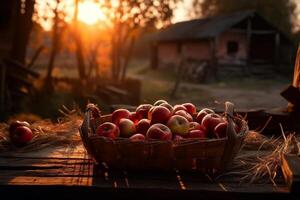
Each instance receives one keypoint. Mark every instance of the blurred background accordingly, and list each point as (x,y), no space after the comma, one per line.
(56,53)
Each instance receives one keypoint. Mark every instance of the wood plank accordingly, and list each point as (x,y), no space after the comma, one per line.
(19,66)
(142,183)
(2,86)
(58,166)
(58,152)
(81,192)
(61,168)
(31,180)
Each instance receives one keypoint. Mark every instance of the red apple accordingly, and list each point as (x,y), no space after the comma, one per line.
(119,114)
(127,128)
(134,117)
(220,131)
(142,126)
(178,125)
(184,114)
(167,106)
(17,124)
(108,129)
(159,114)
(142,111)
(150,112)
(158,102)
(21,136)
(202,113)
(191,108)
(210,121)
(178,138)
(137,137)
(178,107)
(160,132)
(195,125)
(196,133)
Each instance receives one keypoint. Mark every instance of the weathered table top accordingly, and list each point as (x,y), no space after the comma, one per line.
(69,172)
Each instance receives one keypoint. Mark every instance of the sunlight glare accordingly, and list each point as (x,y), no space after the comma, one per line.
(90,13)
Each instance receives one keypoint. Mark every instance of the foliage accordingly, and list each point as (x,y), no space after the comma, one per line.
(279,12)
(127,19)
(56,14)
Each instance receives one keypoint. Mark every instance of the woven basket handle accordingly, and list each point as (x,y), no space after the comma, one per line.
(232,137)
(229,111)
(85,128)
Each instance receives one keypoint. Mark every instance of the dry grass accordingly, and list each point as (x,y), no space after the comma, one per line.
(260,158)
(47,133)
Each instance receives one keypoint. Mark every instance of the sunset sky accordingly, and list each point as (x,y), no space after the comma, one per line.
(90,13)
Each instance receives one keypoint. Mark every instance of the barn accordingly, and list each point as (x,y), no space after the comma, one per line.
(242,41)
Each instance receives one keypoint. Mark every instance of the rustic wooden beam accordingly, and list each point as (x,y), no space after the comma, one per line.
(2,86)
(253,31)
(15,65)
(35,56)
(292,93)
(296,78)
(291,171)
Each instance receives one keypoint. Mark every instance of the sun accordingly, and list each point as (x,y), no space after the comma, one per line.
(90,13)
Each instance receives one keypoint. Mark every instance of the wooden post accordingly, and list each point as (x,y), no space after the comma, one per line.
(180,73)
(249,30)
(277,47)
(291,171)
(214,63)
(2,86)
(296,82)
(296,79)
(35,56)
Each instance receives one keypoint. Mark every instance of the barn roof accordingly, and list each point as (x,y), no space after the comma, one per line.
(202,28)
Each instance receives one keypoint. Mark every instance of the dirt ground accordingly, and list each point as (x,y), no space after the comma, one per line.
(246,98)
(247,93)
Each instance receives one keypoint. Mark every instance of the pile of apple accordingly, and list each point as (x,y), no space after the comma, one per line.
(162,121)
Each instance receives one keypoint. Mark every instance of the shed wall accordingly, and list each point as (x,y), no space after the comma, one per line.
(240,56)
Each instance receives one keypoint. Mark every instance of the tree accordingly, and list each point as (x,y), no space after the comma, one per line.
(57,29)
(79,45)
(22,28)
(127,18)
(280,12)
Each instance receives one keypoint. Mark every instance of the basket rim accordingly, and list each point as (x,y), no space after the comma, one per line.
(183,141)
(244,130)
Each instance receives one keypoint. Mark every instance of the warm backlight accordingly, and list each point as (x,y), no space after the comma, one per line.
(90,13)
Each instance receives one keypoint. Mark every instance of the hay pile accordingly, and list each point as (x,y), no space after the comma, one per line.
(47,133)
(260,158)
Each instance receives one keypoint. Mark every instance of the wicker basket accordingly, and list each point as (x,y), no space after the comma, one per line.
(187,154)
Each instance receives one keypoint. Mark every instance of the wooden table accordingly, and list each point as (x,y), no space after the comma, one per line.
(70,174)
